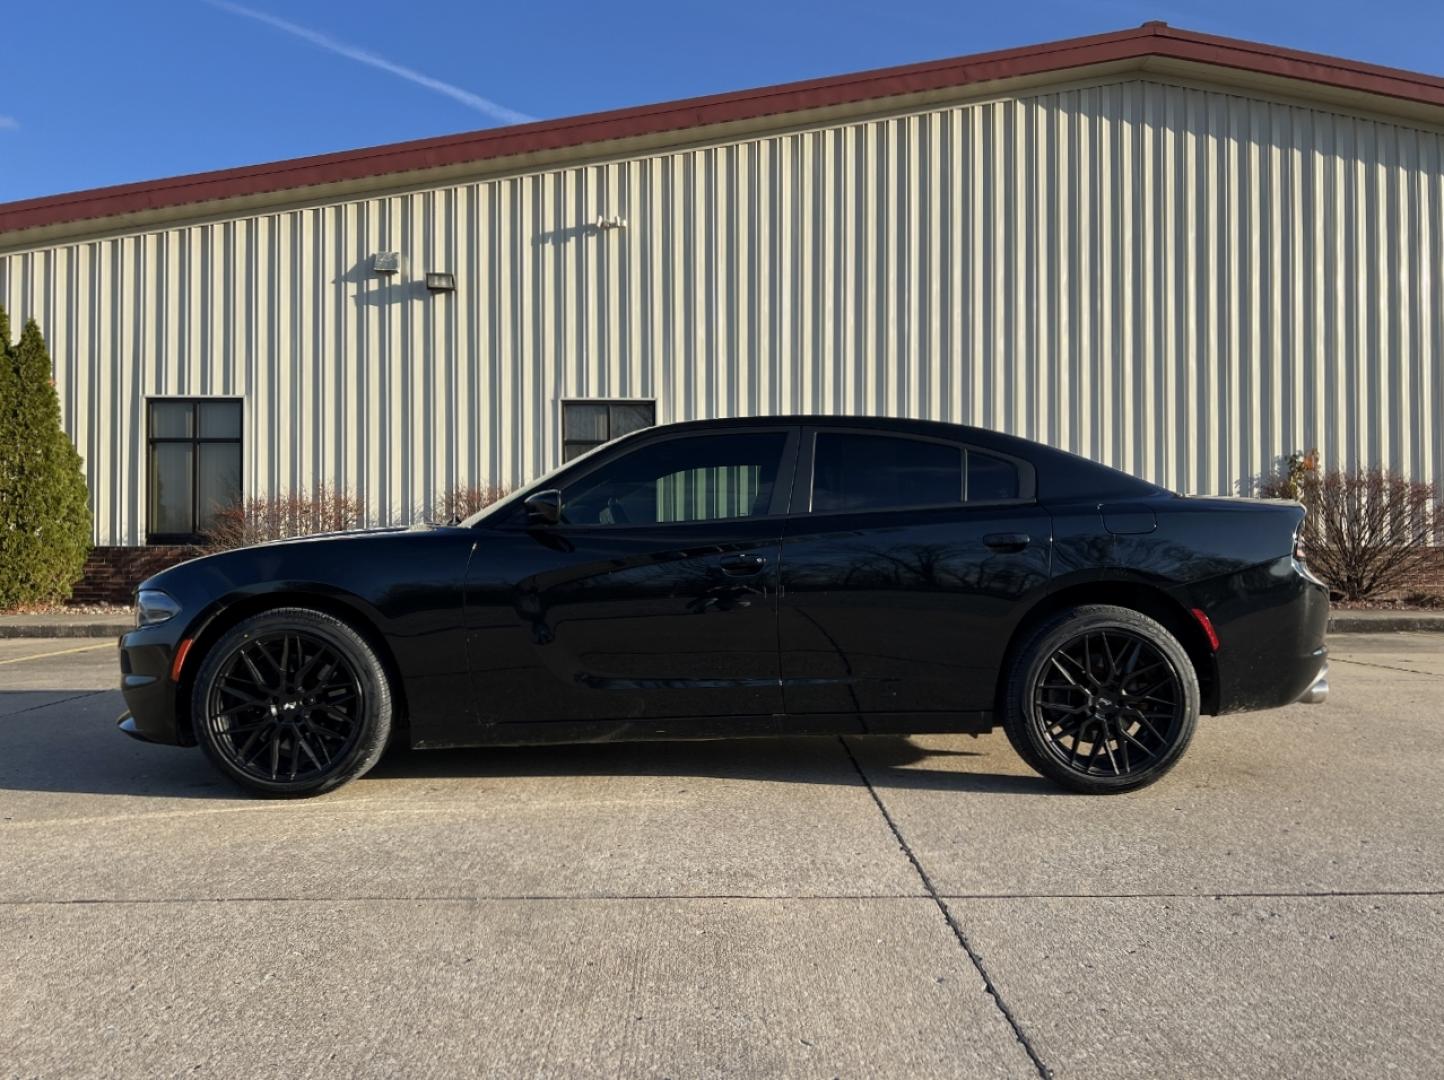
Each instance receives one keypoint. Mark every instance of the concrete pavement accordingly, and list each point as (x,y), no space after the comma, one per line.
(921,907)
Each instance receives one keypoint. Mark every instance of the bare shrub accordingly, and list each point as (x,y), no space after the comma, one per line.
(287,514)
(462,501)
(1368,532)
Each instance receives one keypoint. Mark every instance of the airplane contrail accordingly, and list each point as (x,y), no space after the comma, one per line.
(363,56)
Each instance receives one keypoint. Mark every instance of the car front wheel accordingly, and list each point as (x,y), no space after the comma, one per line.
(291,702)
(1101,699)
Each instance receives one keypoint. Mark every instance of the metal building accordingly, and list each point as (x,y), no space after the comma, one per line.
(1182,255)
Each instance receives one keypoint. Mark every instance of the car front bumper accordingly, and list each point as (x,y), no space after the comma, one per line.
(127,725)
(151,697)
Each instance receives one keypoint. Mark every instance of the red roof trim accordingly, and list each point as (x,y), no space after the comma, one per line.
(1151,39)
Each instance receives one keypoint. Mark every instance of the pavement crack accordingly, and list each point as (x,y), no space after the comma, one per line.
(50,704)
(962,938)
(1385,667)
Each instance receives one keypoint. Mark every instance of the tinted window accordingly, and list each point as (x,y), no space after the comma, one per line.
(878,472)
(703,478)
(991,479)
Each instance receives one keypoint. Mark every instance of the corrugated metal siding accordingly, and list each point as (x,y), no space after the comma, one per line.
(1183,283)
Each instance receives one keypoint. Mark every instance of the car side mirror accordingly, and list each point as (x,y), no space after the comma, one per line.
(544,507)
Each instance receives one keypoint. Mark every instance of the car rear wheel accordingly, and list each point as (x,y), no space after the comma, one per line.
(1101,700)
(292,702)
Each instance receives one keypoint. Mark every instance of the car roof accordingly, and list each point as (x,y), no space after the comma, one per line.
(875,423)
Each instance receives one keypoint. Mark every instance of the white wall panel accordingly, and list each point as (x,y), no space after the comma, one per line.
(1183,283)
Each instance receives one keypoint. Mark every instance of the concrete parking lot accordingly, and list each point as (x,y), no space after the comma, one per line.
(868,907)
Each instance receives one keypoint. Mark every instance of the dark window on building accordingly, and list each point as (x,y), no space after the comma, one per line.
(698,478)
(194,465)
(586,424)
(882,472)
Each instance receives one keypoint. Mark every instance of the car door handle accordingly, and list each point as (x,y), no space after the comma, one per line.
(742,564)
(1006,541)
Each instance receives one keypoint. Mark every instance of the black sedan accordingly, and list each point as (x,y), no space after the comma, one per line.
(773,576)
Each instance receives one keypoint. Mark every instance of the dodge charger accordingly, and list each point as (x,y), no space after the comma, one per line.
(806,575)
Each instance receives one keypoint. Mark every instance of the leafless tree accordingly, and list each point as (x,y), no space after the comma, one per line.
(289,513)
(462,501)
(1368,532)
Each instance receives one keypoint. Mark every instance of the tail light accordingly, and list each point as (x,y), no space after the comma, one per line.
(1300,548)
(1206,624)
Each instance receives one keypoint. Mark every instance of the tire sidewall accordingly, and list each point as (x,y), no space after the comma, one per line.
(376,698)
(1025,730)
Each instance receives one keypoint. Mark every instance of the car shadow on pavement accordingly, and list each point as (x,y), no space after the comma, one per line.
(889,761)
(66,741)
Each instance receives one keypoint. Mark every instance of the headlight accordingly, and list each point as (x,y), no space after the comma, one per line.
(153,606)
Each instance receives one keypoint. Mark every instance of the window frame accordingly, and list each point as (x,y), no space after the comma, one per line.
(608,402)
(195,439)
(777,507)
(806,475)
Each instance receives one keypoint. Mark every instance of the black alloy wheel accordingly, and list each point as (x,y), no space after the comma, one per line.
(292,702)
(1110,703)
(1103,700)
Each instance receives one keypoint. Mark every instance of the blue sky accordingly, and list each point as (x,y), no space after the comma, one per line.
(96,92)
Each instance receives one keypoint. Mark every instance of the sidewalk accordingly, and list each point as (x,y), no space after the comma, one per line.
(113,625)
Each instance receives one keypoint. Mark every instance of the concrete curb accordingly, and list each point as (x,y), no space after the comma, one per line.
(65,630)
(1350,622)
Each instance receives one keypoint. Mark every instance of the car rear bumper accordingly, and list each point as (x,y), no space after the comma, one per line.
(1271,621)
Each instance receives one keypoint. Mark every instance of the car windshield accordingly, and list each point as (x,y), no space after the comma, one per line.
(540,484)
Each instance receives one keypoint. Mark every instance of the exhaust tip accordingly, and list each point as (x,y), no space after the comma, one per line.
(1318,693)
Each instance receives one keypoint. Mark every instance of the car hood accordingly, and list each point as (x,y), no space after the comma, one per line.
(349,534)
(242,555)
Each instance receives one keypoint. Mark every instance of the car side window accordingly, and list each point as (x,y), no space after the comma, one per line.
(672,481)
(990,479)
(853,471)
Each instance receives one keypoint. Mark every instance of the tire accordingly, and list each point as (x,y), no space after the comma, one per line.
(1101,700)
(291,702)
